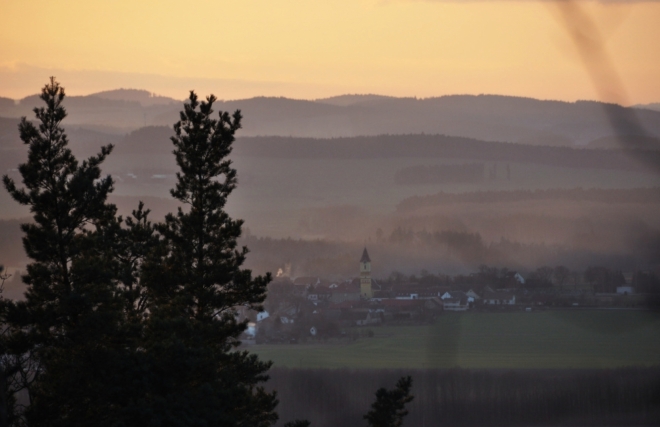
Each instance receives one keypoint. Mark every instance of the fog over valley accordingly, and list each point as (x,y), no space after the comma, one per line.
(537,182)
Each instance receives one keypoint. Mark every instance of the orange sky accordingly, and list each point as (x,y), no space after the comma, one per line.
(313,48)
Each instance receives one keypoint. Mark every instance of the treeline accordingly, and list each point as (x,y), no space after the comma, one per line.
(458,397)
(599,278)
(408,250)
(442,146)
(402,250)
(440,174)
(632,195)
(470,247)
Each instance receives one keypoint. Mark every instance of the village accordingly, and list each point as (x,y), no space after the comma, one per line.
(309,309)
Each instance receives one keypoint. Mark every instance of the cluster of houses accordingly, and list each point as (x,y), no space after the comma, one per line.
(365,291)
(365,301)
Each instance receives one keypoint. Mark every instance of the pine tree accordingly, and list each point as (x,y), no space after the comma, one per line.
(126,322)
(192,334)
(69,325)
(389,409)
(130,244)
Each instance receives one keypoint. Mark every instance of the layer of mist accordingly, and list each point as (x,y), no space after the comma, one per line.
(420,201)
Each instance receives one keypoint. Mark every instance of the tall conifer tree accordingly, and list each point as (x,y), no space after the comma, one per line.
(193,331)
(122,325)
(69,323)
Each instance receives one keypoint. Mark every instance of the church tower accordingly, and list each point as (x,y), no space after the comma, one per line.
(365,276)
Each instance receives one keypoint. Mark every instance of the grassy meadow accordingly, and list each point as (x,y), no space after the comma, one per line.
(519,340)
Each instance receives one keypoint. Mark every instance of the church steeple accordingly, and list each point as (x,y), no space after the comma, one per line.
(365,256)
(365,275)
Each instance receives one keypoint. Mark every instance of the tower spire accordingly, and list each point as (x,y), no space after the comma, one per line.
(365,256)
(365,275)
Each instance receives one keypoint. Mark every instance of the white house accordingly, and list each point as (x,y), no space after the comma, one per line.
(492,297)
(251,330)
(472,294)
(456,301)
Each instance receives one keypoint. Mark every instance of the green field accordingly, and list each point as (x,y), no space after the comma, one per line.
(550,339)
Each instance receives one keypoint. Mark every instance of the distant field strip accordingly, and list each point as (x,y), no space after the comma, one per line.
(631,195)
(552,339)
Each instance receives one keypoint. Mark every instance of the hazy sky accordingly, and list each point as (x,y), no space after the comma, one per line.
(313,48)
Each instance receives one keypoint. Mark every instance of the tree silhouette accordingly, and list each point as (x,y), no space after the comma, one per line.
(69,326)
(198,284)
(389,409)
(126,322)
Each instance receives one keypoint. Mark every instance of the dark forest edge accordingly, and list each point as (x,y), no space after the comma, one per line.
(461,397)
(149,140)
(442,146)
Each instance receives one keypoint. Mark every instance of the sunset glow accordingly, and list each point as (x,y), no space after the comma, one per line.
(311,49)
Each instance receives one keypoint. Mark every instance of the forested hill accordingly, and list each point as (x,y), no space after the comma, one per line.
(155,140)
(484,117)
(443,147)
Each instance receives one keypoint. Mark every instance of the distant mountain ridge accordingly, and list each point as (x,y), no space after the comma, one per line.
(653,106)
(443,147)
(484,117)
(144,97)
(155,141)
(352,99)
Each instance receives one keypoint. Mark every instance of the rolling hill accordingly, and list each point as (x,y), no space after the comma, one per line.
(485,117)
